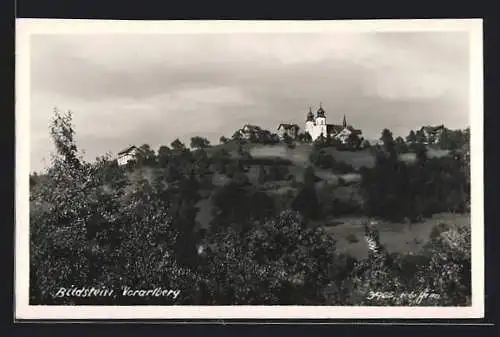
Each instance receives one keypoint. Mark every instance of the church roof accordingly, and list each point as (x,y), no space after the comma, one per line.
(432,129)
(353,130)
(310,116)
(333,128)
(336,128)
(320,112)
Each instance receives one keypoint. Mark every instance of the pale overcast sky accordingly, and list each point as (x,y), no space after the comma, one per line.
(136,89)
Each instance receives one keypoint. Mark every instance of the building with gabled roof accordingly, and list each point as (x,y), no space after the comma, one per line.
(291,130)
(127,154)
(433,133)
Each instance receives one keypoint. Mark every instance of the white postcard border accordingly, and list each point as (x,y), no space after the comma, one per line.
(27,27)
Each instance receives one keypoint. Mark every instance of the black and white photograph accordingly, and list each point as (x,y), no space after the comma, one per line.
(249,169)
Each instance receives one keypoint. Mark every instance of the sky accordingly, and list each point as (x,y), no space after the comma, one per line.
(154,88)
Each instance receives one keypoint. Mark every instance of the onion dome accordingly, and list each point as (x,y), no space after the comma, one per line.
(310,116)
(320,112)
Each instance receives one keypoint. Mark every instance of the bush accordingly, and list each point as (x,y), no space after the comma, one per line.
(395,190)
(439,276)
(438,229)
(326,161)
(279,262)
(85,230)
(352,238)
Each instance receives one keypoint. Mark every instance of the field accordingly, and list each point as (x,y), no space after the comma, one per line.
(397,237)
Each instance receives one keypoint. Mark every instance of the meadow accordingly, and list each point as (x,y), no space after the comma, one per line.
(396,237)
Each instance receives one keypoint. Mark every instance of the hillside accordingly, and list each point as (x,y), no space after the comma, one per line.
(326,238)
(296,160)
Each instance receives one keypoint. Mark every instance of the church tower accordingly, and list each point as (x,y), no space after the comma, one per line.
(320,121)
(310,122)
(344,122)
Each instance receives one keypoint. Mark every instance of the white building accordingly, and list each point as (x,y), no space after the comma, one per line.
(127,155)
(317,126)
(432,133)
(291,130)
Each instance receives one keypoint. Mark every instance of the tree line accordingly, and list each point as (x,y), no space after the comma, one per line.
(102,225)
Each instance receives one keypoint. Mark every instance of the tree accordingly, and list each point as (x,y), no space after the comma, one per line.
(411,138)
(400,145)
(95,227)
(164,153)
(307,138)
(261,177)
(421,153)
(266,137)
(237,136)
(177,145)
(223,140)
(275,139)
(306,202)
(280,261)
(388,143)
(238,204)
(63,136)
(288,141)
(199,143)
(353,141)
(420,136)
(201,162)
(146,156)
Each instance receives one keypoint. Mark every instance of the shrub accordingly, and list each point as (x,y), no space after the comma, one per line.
(441,275)
(352,238)
(279,262)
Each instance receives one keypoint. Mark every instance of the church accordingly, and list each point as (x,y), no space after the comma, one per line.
(317,126)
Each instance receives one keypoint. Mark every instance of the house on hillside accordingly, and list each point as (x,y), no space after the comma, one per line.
(432,133)
(316,127)
(255,133)
(349,133)
(250,131)
(291,130)
(128,154)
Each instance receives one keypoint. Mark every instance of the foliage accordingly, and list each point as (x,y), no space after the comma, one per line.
(365,144)
(199,142)
(146,156)
(279,262)
(400,145)
(304,137)
(441,275)
(102,225)
(411,138)
(396,190)
(306,202)
(177,145)
(89,228)
(325,160)
(454,139)
(338,201)
(240,204)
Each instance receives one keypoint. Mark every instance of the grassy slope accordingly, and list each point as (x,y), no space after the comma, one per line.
(396,236)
